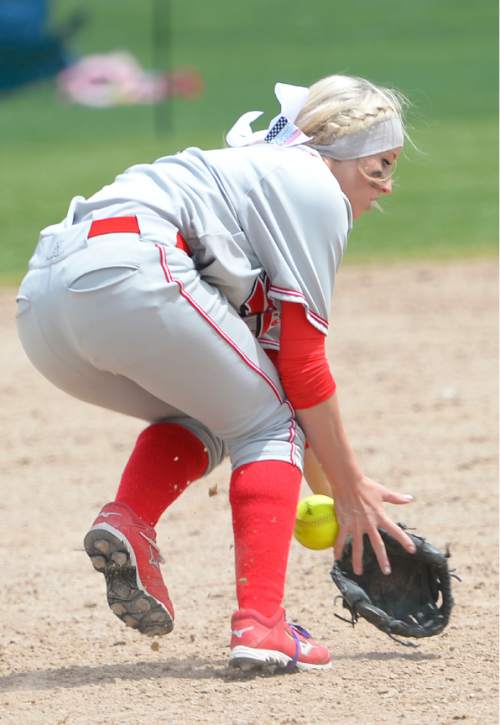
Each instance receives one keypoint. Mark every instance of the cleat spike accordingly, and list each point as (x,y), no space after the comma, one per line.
(120,589)
(120,558)
(130,621)
(102,546)
(98,562)
(139,606)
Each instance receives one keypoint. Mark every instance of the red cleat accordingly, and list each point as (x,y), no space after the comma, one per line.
(123,548)
(270,644)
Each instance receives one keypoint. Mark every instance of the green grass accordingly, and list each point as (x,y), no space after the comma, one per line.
(444,198)
(442,54)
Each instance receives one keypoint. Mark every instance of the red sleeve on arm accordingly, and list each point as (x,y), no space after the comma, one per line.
(272,355)
(302,364)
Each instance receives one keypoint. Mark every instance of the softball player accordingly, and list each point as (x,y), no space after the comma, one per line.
(194,293)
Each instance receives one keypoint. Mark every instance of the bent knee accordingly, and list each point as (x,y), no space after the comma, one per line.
(214,447)
(280,438)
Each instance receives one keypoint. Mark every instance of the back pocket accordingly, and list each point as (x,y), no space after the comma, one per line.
(23,304)
(98,279)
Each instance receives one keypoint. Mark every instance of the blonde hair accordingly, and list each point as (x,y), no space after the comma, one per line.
(340,105)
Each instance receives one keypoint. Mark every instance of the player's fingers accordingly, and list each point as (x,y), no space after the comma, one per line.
(380,550)
(393,497)
(357,553)
(340,543)
(398,533)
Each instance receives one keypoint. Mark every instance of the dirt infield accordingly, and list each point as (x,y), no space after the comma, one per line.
(414,352)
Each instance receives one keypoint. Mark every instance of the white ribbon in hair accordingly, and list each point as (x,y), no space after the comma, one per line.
(379,137)
(281,130)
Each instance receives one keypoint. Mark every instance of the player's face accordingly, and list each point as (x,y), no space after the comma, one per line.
(364,180)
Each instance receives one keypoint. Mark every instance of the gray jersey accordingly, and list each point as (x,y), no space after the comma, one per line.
(264,223)
(120,319)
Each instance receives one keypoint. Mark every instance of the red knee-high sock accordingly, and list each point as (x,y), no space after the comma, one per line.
(263,499)
(166,458)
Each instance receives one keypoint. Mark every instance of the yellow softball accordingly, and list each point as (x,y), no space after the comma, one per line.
(316,525)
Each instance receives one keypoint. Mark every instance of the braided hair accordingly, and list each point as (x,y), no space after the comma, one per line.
(339,105)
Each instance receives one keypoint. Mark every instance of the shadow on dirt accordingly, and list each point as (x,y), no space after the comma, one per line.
(182,669)
(79,675)
(412,656)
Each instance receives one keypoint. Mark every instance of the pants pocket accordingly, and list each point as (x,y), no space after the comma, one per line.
(98,279)
(23,304)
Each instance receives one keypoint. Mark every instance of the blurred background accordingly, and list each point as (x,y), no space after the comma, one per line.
(90,87)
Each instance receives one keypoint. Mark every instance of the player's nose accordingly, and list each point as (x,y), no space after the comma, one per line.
(386,186)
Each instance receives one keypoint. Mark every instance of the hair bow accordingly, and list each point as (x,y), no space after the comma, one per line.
(281,130)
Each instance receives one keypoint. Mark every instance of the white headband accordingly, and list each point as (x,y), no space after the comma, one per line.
(381,136)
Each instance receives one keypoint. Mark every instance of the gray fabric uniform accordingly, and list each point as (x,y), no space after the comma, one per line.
(132,323)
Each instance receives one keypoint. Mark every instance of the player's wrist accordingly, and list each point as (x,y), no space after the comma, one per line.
(348,474)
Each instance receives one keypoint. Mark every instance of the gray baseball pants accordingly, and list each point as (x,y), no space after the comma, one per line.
(126,322)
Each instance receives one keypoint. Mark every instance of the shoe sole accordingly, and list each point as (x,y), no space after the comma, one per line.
(248,659)
(126,597)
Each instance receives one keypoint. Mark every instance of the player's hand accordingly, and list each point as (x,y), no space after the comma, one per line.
(360,511)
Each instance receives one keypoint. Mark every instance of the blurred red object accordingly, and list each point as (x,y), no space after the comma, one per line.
(114,79)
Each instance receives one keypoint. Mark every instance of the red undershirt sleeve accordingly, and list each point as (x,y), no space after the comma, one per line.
(301,361)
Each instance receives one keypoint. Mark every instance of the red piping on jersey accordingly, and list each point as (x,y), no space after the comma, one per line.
(293,430)
(114,225)
(269,344)
(316,317)
(294,293)
(182,244)
(242,355)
